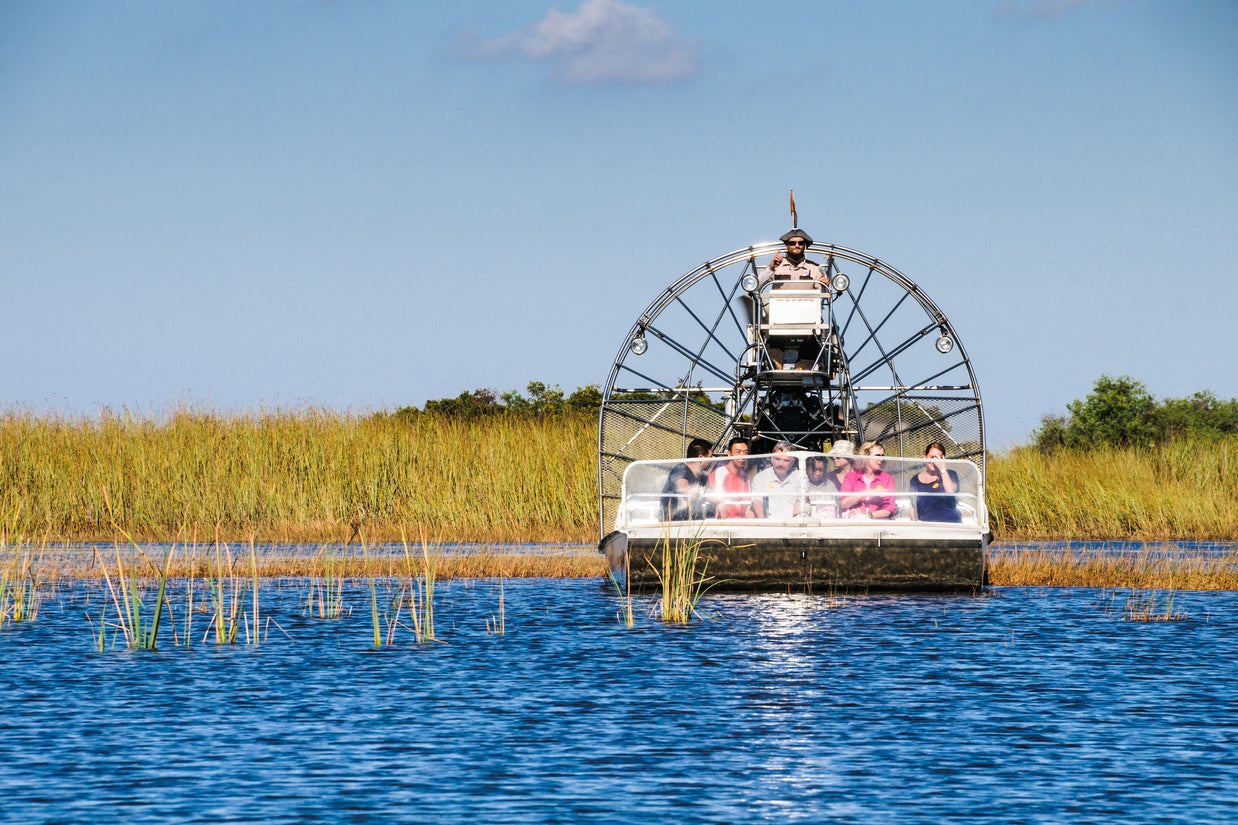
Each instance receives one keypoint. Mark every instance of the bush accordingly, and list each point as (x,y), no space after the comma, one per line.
(541,401)
(1120,412)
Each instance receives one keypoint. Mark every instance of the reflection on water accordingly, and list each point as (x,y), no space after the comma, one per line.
(1028,705)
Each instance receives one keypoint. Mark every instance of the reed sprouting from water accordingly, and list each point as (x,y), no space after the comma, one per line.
(1152,606)
(299,477)
(421,586)
(326,596)
(683,585)
(624,590)
(497,625)
(137,620)
(19,583)
(230,588)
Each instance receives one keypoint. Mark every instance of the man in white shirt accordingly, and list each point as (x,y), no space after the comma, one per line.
(778,488)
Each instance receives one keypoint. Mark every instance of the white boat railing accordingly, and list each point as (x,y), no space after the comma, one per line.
(762,498)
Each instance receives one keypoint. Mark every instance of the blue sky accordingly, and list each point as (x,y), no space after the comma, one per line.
(360,206)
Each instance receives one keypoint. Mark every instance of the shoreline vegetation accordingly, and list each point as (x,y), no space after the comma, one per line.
(27,570)
(489,469)
(315,477)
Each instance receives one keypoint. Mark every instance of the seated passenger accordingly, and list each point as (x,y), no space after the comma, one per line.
(777,489)
(683,494)
(935,487)
(841,453)
(729,483)
(873,483)
(820,489)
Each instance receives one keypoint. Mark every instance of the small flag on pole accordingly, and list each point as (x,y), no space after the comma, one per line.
(795,220)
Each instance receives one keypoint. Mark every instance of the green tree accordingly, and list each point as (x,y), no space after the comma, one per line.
(1201,415)
(586,399)
(1119,412)
(468,404)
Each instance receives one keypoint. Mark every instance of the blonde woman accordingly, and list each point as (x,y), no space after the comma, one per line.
(874,485)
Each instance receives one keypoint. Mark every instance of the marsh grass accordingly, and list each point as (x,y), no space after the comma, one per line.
(230,589)
(625,591)
(1152,568)
(19,583)
(137,621)
(497,625)
(303,477)
(310,476)
(412,591)
(683,586)
(1179,490)
(422,589)
(1152,606)
(378,635)
(326,596)
(70,563)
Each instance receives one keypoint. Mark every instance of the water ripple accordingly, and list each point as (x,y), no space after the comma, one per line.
(1029,705)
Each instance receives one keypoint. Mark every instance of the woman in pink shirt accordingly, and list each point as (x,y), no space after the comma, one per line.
(867,478)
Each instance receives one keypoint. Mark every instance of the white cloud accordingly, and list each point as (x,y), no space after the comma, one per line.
(603,41)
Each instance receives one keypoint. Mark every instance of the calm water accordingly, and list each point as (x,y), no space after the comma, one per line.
(1027,705)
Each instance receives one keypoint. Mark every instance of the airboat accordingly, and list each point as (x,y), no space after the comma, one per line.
(885,366)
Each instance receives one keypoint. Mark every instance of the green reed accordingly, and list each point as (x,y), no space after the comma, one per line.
(378,636)
(327,590)
(310,476)
(19,583)
(683,585)
(230,589)
(135,622)
(1180,490)
(422,590)
(299,476)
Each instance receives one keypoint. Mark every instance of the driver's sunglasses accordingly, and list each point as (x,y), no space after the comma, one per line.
(795,243)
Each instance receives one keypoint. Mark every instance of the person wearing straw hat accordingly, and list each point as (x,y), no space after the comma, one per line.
(841,452)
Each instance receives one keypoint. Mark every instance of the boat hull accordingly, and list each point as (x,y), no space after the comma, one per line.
(813,564)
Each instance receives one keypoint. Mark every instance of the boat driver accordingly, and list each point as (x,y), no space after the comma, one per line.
(793,266)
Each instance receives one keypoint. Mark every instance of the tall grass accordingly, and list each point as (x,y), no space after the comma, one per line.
(1167,568)
(19,583)
(683,584)
(1180,490)
(306,476)
(137,620)
(310,476)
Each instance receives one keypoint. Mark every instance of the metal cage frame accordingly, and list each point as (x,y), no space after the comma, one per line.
(655,417)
